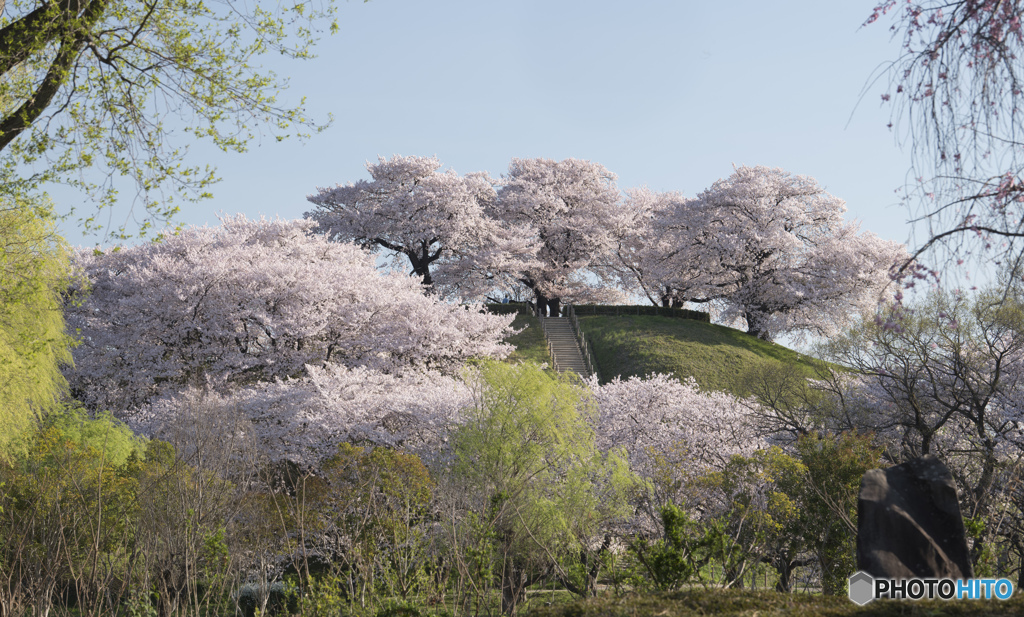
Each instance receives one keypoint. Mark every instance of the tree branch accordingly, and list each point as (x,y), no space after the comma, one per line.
(15,123)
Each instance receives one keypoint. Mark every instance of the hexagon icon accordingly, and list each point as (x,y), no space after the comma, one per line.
(861,584)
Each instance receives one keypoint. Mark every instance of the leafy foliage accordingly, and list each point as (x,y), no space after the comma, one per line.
(33,340)
(373,504)
(68,512)
(527,455)
(829,495)
(674,560)
(101,83)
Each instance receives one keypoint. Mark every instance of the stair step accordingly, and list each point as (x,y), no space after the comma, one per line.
(565,348)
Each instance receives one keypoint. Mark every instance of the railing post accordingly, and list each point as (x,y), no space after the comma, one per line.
(588,357)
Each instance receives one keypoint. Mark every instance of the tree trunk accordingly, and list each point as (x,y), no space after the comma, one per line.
(542,304)
(982,499)
(669,299)
(420,268)
(756,325)
(785,569)
(734,578)
(591,563)
(555,307)
(513,588)
(1019,549)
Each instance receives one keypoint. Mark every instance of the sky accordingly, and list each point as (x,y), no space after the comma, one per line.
(665,94)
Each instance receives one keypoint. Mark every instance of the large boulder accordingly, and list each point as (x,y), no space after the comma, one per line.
(909,523)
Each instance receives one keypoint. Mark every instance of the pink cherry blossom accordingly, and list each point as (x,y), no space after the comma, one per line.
(771,249)
(254,301)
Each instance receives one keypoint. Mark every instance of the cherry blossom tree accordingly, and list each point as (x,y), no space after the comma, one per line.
(571,208)
(956,96)
(673,433)
(763,246)
(252,301)
(429,218)
(303,420)
(654,252)
(775,249)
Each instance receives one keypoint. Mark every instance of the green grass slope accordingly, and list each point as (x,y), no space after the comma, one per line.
(716,356)
(530,343)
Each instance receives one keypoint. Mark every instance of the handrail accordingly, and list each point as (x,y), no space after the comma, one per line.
(588,355)
(551,353)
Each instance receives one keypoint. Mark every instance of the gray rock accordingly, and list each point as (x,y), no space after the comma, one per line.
(909,523)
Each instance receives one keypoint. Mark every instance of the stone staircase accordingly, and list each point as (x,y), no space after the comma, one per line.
(565,348)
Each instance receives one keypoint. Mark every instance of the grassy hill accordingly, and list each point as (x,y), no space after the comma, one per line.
(716,356)
(530,343)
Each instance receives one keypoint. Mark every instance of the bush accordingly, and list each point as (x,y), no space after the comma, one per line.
(671,562)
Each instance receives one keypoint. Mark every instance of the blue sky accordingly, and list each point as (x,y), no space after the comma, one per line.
(664,94)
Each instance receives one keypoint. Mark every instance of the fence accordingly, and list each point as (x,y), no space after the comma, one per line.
(662,311)
(588,354)
(508,308)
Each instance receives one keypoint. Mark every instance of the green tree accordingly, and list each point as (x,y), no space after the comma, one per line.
(369,510)
(527,456)
(90,83)
(835,466)
(33,341)
(68,512)
(792,509)
(766,515)
(671,562)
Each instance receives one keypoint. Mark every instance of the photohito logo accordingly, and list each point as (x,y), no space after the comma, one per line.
(865,588)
